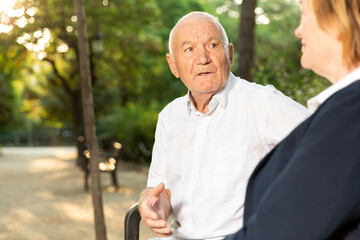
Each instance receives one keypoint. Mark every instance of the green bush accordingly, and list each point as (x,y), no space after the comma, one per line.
(134,127)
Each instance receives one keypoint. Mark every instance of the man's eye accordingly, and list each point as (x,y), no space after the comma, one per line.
(188,49)
(213,45)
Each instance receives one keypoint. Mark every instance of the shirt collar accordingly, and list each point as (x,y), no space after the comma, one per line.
(220,98)
(315,102)
(223,95)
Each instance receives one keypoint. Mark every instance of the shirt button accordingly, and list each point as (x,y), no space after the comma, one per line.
(198,147)
(195,176)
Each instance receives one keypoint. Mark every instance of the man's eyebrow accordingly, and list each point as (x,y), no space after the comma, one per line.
(209,40)
(185,43)
(214,38)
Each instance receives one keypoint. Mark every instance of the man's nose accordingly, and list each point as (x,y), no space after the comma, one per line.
(203,56)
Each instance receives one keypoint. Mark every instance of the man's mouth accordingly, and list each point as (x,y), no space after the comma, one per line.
(204,73)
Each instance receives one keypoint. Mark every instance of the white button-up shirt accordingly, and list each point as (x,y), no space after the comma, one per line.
(315,102)
(206,159)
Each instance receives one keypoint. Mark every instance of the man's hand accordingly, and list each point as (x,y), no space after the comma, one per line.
(155,208)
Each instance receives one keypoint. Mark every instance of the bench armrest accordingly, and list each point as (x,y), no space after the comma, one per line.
(132,222)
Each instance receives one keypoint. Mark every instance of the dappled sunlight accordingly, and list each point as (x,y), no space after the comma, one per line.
(126,191)
(24,214)
(124,205)
(81,213)
(36,42)
(13,15)
(65,153)
(110,189)
(108,166)
(46,200)
(261,18)
(47,195)
(57,175)
(47,164)
(23,223)
(6,12)
(122,190)
(59,152)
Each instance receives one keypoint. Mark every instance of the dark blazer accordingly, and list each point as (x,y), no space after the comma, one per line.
(308,187)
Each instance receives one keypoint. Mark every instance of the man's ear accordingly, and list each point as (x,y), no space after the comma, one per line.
(231,53)
(172,65)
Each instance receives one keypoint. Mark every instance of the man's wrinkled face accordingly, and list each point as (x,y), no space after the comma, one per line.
(199,57)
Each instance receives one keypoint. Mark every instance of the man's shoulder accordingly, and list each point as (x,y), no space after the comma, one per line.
(175,106)
(263,96)
(251,88)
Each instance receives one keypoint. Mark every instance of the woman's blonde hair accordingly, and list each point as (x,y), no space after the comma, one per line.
(343,17)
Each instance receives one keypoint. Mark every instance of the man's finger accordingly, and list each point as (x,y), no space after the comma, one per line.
(158,189)
(162,232)
(155,223)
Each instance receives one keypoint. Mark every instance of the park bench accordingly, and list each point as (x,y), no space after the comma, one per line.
(132,223)
(108,162)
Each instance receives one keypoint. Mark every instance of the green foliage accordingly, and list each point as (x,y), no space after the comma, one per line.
(132,125)
(7,103)
(146,89)
(158,82)
(278,53)
(11,62)
(132,81)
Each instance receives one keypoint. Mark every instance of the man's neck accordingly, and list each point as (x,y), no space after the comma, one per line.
(201,102)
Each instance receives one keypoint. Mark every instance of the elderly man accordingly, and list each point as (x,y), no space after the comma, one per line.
(208,141)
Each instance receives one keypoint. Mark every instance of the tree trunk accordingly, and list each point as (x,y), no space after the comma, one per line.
(89,118)
(246,42)
(78,119)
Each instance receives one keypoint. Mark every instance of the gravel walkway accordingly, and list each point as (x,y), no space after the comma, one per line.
(42,196)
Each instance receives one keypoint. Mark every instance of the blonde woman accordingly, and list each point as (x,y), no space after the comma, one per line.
(308,187)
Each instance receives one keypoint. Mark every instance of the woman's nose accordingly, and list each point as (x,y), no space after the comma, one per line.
(298,31)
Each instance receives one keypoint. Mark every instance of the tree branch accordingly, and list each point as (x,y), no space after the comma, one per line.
(62,79)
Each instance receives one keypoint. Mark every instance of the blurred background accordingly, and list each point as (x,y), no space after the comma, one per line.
(40,95)
(41,110)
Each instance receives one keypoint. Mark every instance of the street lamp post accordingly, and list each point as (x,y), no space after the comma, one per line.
(96,49)
(97,43)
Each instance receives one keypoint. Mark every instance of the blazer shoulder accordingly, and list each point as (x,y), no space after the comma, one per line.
(346,100)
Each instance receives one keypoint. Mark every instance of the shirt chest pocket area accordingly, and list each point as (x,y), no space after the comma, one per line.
(226,172)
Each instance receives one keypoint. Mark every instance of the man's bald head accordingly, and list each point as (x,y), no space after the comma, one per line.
(194,16)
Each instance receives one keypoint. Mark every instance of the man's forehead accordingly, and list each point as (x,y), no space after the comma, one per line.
(196,30)
(196,23)
(208,39)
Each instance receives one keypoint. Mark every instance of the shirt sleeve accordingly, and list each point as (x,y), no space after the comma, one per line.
(280,115)
(157,171)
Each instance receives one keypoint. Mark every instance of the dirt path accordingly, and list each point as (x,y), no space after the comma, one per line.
(42,196)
